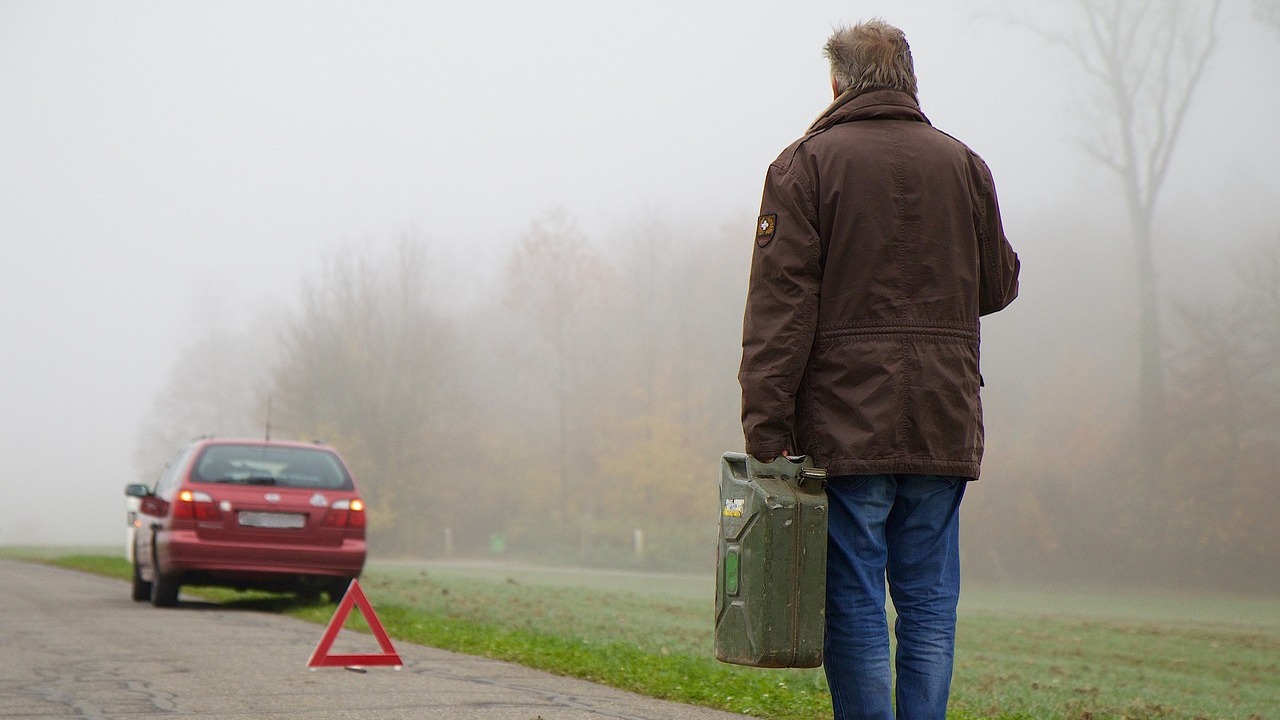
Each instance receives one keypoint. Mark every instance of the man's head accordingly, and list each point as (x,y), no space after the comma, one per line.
(872,55)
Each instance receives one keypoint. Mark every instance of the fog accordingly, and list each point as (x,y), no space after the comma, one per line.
(175,172)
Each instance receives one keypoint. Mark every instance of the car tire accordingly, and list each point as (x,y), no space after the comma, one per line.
(164,588)
(164,592)
(338,588)
(141,588)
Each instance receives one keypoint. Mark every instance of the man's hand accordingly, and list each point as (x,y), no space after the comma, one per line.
(766,459)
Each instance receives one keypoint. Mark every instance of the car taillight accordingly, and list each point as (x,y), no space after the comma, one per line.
(195,506)
(345,514)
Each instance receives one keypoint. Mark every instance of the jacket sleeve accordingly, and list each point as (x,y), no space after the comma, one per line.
(781,312)
(1000,264)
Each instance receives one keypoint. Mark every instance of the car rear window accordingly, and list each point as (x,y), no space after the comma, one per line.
(273,466)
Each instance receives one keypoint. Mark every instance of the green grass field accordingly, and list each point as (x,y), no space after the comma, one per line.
(1025,654)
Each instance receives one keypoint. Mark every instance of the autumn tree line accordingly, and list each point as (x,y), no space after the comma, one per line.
(1069,491)
(577,410)
(1167,475)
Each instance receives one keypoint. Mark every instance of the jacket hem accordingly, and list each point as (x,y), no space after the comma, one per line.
(903,465)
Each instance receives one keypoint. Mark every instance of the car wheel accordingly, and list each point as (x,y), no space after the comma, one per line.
(336,589)
(141,588)
(164,592)
(164,588)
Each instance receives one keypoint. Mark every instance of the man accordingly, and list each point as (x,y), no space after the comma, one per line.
(879,245)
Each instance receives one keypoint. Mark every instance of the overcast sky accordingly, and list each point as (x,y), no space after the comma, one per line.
(166,165)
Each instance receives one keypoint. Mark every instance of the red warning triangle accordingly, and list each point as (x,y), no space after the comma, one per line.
(354,597)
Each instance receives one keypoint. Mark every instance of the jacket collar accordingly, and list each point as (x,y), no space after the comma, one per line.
(869,105)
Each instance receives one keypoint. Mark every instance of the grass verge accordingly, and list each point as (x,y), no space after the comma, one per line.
(1010,665)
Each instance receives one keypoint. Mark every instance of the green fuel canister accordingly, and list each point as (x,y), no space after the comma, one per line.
(771,567)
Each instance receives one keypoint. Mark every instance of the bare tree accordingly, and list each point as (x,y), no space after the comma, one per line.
(368,365)
(552,278)
(1226,428)
(1145,60)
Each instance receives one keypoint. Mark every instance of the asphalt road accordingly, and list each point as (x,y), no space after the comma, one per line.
(74,645)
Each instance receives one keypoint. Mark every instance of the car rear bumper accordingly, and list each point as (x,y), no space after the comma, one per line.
(182,552)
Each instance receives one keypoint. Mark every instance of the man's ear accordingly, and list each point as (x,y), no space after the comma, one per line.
(835,88)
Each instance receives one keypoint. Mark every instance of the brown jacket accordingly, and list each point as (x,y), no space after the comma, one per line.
(878,247)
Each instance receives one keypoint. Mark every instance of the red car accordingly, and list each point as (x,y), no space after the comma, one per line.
(268,515)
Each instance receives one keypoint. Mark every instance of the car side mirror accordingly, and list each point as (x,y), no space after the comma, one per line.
(138,491)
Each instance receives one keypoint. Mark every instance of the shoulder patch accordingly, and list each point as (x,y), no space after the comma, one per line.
(765,227)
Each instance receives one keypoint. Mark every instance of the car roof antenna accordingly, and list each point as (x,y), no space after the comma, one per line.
(268,434)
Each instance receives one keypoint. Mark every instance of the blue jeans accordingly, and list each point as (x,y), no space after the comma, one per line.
(905,528)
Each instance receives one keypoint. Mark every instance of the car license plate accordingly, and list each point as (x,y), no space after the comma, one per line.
(272,520)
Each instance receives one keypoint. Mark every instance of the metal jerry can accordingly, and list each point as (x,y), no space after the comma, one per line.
(771,567)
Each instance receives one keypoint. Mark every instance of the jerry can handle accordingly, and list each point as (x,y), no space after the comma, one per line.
(812,474)
(794,468)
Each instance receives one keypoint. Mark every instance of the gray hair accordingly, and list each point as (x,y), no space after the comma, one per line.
(871,55)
